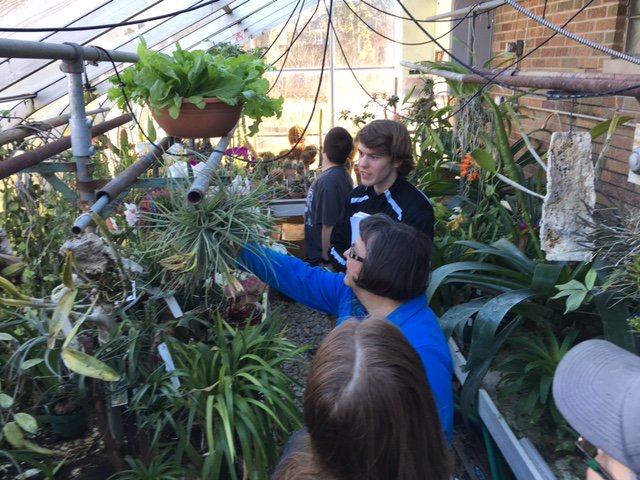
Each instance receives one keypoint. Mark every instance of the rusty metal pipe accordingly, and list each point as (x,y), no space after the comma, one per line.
(119,184)
(522,80)
(32,128)
(29,159)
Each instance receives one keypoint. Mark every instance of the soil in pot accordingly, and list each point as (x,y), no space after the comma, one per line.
(215,120)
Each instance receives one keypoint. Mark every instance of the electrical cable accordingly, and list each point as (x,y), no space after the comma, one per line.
(451,19)
(293,34)
(572,36)
(108,25)
(491,79)
(386,108)
(299,34)
(264,54)
(409,44)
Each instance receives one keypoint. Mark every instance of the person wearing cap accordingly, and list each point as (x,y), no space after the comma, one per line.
(596,387)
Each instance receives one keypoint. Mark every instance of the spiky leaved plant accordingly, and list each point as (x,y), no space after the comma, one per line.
(191,243)
(616,236)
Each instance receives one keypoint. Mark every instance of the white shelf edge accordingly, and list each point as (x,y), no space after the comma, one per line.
(526,463)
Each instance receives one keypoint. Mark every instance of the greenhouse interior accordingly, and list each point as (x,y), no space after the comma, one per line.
(303,239)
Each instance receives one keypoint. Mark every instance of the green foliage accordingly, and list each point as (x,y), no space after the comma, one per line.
(160,467)
(529,370)
(576,292)
(165,81)
(193,243)
(238,394)
(504,287)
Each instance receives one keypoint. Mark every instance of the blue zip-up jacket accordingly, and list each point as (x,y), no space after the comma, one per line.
(325,291)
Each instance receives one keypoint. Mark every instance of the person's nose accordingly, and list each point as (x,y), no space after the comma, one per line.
(363,162)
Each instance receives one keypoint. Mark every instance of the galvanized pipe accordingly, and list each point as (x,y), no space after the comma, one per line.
(16,164)
(463,11)
(203,178)
(32,128)
(10,48)
(81,147)
(522,80)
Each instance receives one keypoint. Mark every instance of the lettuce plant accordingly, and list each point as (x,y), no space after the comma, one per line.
(166,81)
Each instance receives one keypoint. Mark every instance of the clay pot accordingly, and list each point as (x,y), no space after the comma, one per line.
(215,120)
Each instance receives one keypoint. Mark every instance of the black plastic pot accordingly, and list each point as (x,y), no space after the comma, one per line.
(69,426)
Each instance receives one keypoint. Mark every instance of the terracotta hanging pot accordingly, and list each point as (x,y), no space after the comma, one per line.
(216,120)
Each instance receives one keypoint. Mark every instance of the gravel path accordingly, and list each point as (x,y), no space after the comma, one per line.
(304,327)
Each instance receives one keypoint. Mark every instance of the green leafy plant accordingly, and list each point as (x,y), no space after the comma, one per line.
(193,243)
(576,292)
(240,398)
(160,467)
(166,81)
(503,287)
(529,372)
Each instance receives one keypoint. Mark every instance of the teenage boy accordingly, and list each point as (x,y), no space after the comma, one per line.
(327,196)
(385,159)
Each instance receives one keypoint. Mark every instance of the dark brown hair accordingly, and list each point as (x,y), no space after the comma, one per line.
(338,145)
(369,410)
(389,138)
(397,261)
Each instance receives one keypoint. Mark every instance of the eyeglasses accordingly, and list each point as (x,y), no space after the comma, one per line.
(351,253)
(589,452)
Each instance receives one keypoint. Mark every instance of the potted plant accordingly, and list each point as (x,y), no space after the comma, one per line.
(180,89)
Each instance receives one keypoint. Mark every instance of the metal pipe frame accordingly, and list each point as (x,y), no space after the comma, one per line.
(29,129)
(203,178)
(59,51)
(550,82)
(120,184)
(33,157)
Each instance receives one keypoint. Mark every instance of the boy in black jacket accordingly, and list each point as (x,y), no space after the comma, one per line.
(385,159)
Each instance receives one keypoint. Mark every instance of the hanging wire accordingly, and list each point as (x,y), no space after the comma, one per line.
(385,107)
(107,25)
(289,48)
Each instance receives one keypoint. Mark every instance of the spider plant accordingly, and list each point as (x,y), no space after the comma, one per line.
(238,397)
(191,243)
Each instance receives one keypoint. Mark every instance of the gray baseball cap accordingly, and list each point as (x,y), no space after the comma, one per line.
(597,389)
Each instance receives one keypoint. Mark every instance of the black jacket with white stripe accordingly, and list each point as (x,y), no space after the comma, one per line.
(401,201)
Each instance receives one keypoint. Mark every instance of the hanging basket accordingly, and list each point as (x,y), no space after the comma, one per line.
(215,120)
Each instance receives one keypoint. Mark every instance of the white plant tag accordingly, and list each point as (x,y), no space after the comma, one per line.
(168,362)
(175,309)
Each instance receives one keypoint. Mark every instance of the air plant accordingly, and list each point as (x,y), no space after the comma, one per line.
(192,243)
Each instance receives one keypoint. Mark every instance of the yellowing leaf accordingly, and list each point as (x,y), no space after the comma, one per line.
(67,271)
(88,366)
(26,422)
(14,435)
(61,315)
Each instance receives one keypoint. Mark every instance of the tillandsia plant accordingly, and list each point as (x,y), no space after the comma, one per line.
(192,243)
(166,81)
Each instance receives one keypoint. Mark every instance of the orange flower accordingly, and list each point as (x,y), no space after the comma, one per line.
(469,168)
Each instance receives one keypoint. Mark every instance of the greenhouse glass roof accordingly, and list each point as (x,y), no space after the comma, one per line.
(29,84)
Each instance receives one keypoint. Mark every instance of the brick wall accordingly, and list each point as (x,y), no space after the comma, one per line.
(603,22)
